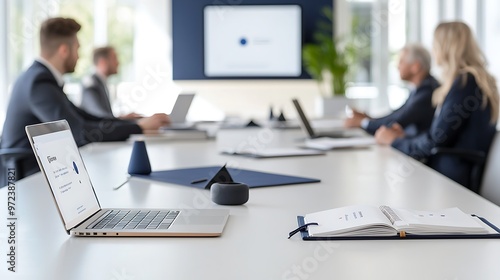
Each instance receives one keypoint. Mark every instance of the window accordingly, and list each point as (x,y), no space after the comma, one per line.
(3,61)
(82,12)
(362,30)
(491,40)
(481,16)
(380,30)
(121,19)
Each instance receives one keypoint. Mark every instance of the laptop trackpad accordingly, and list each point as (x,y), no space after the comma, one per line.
(199,220)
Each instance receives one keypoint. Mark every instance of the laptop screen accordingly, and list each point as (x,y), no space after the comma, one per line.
(303,119)
(68,179)
(181,108)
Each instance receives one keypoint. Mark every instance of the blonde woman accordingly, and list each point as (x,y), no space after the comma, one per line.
(467,106)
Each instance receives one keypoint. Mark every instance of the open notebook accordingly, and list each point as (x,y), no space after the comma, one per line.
(384,222)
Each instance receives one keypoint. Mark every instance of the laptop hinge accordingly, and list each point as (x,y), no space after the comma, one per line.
(88,218)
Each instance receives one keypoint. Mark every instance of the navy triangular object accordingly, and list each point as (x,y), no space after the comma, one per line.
(139,160)
(222,176)
(281,117)
(252,124)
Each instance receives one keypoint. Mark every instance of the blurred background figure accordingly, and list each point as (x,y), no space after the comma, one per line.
(38,96)
(467,110)
(416,114)
(96,99)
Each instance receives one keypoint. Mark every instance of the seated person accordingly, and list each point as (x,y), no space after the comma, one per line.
(95,93)
(417,112)
(38,96)
(467,103)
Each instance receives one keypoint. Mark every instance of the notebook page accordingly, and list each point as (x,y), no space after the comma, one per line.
(356,220)
(450,221)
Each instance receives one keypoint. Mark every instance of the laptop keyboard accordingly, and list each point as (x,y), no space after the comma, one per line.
(135,219)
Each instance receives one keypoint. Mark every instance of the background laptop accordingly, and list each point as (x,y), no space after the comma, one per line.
(60,162)
(180,111)
(306,125)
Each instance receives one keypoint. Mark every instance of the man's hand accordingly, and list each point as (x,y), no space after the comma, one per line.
(154,122)
(355,119)
(131,116)
(386,135)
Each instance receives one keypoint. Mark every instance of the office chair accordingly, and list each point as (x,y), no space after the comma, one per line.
(11,158)
(490,187)
(482,177)
(476,158)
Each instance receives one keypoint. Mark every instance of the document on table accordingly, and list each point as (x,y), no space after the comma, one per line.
(326,143)
(273,152)
(169,135)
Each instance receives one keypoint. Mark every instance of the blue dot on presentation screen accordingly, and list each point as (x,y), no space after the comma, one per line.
(243,41)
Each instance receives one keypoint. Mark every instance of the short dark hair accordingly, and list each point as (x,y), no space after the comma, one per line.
(57,31)
(102,52)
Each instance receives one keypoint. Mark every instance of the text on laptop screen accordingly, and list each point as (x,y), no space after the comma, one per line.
(67,176)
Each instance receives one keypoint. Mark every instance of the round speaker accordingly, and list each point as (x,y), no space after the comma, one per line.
(229,193)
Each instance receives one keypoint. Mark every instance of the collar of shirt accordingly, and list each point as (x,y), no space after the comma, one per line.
(57,75)
(101,77)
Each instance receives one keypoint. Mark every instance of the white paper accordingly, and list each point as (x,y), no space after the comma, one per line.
(326,143)
(273,152)
(356,220)
(450,220)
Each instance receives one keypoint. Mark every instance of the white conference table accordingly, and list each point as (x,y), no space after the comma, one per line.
(254,244)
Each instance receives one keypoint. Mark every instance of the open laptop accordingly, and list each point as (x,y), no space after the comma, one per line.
(61,164)
(306,125)
(180,111)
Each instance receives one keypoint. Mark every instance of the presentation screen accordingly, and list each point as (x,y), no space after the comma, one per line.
(252,40)
(236,39)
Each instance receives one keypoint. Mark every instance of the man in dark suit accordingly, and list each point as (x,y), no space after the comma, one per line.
(95,92)
(416,114)
(38,96)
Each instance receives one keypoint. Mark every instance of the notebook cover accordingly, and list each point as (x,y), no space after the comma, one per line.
(305,234)
(253,179)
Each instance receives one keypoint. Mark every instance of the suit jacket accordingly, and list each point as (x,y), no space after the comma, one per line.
(36,97)
(462,123)
(416,113)
(95,97)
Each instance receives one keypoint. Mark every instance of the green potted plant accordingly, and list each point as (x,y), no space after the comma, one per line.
(328,60)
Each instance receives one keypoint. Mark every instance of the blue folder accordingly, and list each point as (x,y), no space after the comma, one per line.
(253,179)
